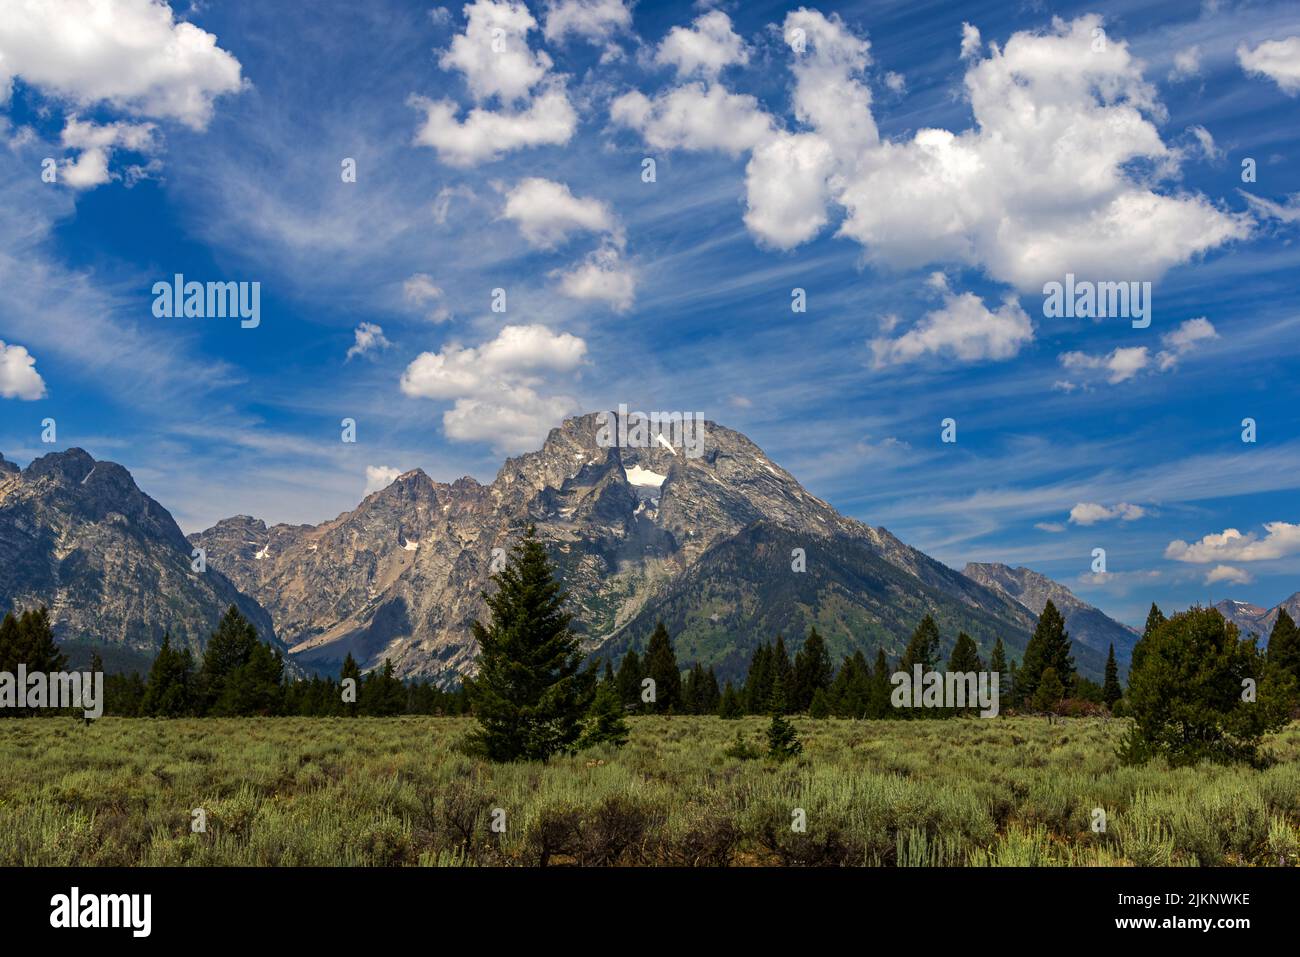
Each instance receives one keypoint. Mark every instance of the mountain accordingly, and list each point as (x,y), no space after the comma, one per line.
(1088,626)
(1254,620)
(79,537)
(638,533)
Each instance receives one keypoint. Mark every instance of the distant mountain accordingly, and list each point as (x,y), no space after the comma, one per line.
(1088,626)
(109,562)
(638,533)
(1254,620)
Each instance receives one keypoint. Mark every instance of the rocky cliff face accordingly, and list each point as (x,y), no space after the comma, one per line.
(1254,620)
(637,533)
(79,537)
(1088,626)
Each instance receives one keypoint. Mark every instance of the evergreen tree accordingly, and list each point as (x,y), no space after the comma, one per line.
(1049,691)
(530,694)
(229,648)
(661,666)
(629,680)
(820,706)
(1049,647)
(998,665)
(382,695)
(605,723)
(1155,618)
(923,648)
(730,706)
(608,676)
(813,670)
(758,682)
(965,656)
(28,640)
(169,690)
(879,687)
(350,670)
(1284,645)
(782,739)
(782,674)
(1111,691)
(711,695)
(254,687)
(1186,694)
(693,690)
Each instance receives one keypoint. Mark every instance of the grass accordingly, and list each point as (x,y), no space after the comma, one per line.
(380,792)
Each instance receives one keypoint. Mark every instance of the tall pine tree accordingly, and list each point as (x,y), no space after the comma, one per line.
(661,666)
(1111,690)
(813,670)
(1049,647)
(530,693)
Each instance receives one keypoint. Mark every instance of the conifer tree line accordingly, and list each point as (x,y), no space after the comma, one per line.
(237,675)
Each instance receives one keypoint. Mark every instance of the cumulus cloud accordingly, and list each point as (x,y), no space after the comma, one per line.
(1119,365)
(1127,362)
(131,54)
(380,477)
(547,213)
(603,276)
(694,117)
(1226,573)
(96,143)
(549,120)
(1090,513)
(1279,60)
(1280,540)
(963,328)
(1056,175)
(497,63)
(18,376)
(368,337)
(705,48)
(495,386)
(596,21)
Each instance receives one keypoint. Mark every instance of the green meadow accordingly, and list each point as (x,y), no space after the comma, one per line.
(400,791)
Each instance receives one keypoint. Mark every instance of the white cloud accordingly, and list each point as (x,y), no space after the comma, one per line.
(368,337)
(1187,64)
(1280,540)
(1054,176)
(494,57)
(694,117)
(596,21)
(1053,527)
(1226,573)
(97,142)
(705,48)
(495,386)
(420,291)
(493,52)
(1090,513)
(1206,142)
(380,477)
(1119,365)
(1183,340)
(970,41)
(547,212)
(896,82)
(18,376)
(130,54)
(602,277)
(1288,212)
(963,328)
(1127,362)
(1279,60)
(548,120)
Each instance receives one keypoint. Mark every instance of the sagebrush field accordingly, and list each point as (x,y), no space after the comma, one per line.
(295,791)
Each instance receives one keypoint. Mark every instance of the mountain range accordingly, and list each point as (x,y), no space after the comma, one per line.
(726,547)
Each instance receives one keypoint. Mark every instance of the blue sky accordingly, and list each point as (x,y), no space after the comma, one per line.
(919,169)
